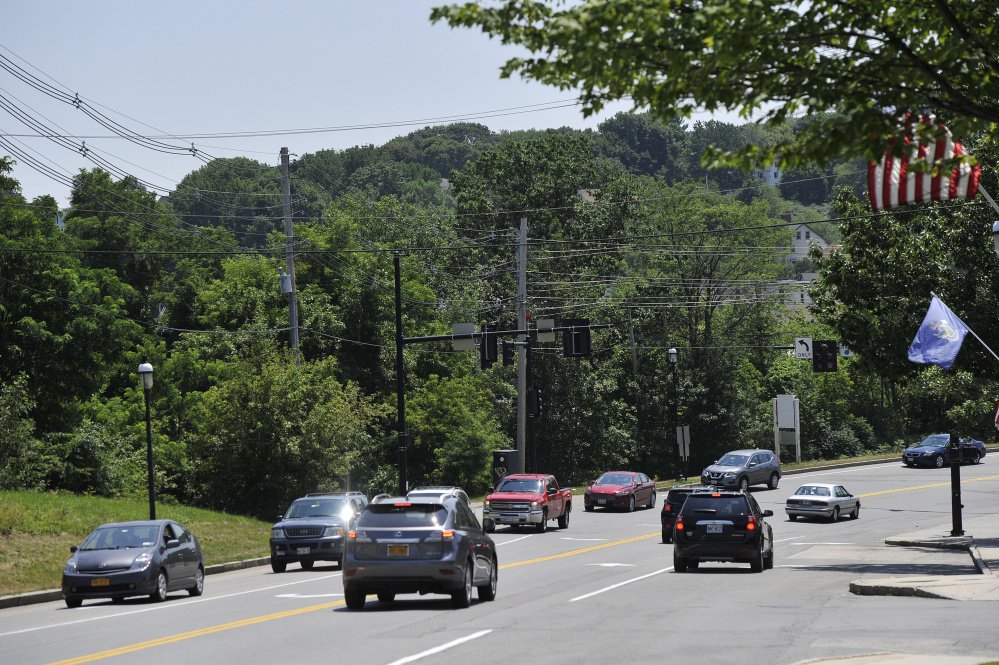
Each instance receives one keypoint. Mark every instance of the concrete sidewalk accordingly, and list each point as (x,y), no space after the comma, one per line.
(983,549)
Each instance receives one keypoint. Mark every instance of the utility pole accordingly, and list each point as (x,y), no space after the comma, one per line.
(289,234)
(522,348)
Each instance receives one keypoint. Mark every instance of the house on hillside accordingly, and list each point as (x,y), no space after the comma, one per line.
(770,175)
(804,237)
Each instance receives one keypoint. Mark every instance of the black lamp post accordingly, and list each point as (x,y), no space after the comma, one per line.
(676,423)
(146,374)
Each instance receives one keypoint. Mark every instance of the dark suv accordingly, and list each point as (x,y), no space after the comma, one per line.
(313,529)
(722,525)
(742,468)
(675,497)
(419,545)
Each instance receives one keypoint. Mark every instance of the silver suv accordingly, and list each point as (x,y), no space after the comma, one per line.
(742,468)
(439,492)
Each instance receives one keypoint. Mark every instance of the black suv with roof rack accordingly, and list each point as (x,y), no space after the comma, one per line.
(722,525)
(314,528)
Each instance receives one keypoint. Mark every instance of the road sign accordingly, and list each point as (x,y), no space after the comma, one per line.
(463,329)
(683,441)
(803,348)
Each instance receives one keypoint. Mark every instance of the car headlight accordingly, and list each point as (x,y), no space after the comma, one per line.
(534,504)
(70,568)
(142,561)
(332,532)
(485,504)
(927,453)
(621,493)
(277,533)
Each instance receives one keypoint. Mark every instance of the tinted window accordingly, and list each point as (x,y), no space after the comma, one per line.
(519,485)
(403,515)
(734,460)
(735,505)
(316,508)
(467,517)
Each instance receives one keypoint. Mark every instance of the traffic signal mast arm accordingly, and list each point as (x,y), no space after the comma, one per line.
(499,333)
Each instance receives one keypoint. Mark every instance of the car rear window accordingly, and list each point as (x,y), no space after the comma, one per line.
(403,515)
(724,505)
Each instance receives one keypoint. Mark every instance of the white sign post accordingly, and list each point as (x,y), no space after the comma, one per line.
(683,441)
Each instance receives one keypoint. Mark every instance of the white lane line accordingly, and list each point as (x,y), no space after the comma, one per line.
(586,540)
(443,647)
(160,606)
(849,470)
(507,542)
(620,584)
(612,565)
(785,539)
(823,543)
(309,595)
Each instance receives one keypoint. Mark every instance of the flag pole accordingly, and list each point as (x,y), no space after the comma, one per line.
(994,207)
(965,324)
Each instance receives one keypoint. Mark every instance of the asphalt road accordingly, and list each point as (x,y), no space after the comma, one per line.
(602,590)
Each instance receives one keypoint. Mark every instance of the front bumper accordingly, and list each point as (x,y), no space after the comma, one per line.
(118,584)
(606,500)
(720,482)
(513,518)
(315,549)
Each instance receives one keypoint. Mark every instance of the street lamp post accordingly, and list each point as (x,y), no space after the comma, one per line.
(676,422)
(146,374)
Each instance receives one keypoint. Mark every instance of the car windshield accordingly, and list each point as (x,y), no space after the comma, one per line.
(812,490)
(733,460)
(121,537)
(317,508)
(715,505)
(614,479)
(403,515)
(936,440)
(519,485)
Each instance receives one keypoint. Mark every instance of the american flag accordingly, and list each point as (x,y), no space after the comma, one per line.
(890,183)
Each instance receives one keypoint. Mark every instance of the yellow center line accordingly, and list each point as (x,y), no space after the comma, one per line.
(579,551)
(924,487)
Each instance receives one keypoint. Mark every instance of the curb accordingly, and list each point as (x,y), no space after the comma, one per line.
(49,595)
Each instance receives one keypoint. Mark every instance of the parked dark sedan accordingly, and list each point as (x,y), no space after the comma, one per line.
(934,451)
(122,559)
(620,489)
(419,545)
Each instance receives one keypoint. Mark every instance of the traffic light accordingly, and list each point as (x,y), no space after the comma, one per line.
(508,347)
(576,342)
(487,345)
(534,402)
(825,355)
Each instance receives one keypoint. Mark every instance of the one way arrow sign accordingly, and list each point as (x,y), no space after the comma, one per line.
(803,348)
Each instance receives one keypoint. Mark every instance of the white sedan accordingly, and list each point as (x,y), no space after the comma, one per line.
(822,500)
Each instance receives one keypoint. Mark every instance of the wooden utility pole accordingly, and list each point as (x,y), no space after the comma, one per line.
(289,234)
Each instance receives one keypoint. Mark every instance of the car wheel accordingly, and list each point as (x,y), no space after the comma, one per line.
(793,518)
(543,526)
(938,461)
(693,564)
(667,537)
(490,526)
(355,600)
(975,457)
(631,504)
(488,591)
(744,484)
(588,507)
(161,588)
(774,480)
(278,566)
(679,563)
(462,597)
(652,500)
(756,561)
(563,520)
(199,582)
(835,514)
(768,559)
(306,564)
(856,512)
(74,602)
(386,597)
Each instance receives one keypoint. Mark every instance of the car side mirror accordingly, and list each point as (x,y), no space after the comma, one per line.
(73,548)
(172,543)
(552,491)
(768,513)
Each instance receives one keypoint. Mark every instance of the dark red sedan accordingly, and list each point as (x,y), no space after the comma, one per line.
(620,489)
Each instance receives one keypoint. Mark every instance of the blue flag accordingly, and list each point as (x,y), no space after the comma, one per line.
(939,338)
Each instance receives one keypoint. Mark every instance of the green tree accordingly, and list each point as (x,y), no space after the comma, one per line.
(778,59)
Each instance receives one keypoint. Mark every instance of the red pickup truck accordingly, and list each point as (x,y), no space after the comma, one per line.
(527,498)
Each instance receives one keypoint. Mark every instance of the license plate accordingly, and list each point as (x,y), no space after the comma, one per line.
(302,550)
(100,581)
(714,528)
(398,550)
(601,501)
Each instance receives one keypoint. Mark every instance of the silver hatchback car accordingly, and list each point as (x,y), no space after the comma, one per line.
(741,468)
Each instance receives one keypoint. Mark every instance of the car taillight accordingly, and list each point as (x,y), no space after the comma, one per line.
(679,525)
(667,508)
(352,534)
(447,534)
(751,523)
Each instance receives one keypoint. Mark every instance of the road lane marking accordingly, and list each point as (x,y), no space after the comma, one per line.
(585,540)
(201,632)
(791,538)
(823,543)
(612,565)
(925,487)
(164,606)
(507,542)
(584,550)
(620,584)
(309,595)
(443,647)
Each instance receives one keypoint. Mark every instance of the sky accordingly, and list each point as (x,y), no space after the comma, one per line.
(183,68)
